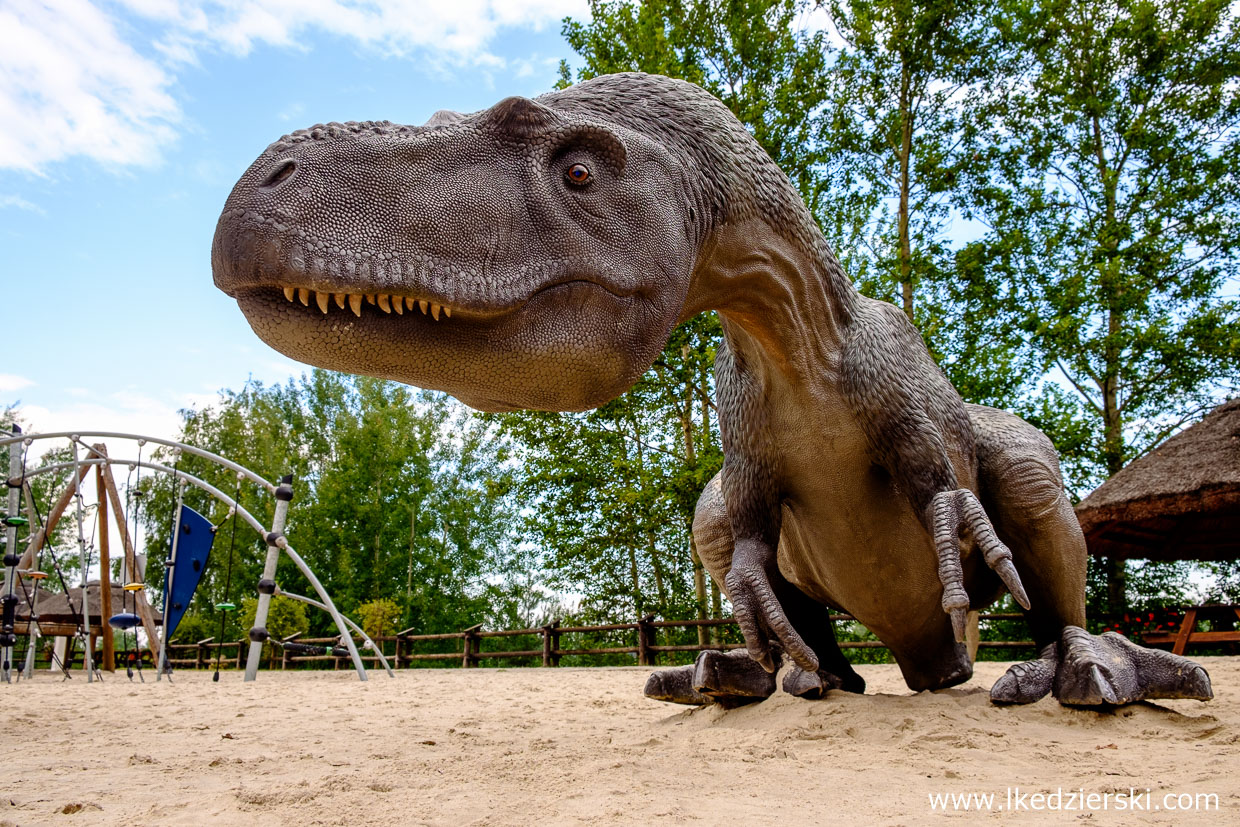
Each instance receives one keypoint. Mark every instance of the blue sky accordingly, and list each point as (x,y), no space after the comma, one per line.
(125,126)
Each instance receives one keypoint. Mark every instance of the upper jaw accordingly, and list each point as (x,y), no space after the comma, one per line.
(252,254)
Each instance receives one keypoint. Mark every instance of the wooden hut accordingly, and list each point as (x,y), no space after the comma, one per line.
(1179,502)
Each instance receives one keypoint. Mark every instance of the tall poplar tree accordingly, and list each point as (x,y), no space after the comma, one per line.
(1115,212)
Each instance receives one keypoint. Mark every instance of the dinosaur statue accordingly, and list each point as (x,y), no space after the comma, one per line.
(537,254)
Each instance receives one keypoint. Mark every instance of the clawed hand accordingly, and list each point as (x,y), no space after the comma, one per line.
(758,610)
(953,516)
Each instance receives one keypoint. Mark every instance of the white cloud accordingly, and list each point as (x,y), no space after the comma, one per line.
(69,85)
(21,204)
(10,382)
(72,83)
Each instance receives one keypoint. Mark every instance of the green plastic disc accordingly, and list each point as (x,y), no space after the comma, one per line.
(225,607)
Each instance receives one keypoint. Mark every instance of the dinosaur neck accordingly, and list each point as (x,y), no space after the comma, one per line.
(776,295)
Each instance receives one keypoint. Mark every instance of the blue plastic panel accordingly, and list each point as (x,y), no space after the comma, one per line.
(193,552)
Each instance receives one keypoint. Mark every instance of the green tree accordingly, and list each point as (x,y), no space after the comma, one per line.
(398,494)
(1114,210)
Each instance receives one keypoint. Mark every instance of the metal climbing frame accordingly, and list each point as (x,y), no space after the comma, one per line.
(277,543)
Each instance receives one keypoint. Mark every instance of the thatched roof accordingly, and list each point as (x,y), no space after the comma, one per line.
(1179,502)
(55,608)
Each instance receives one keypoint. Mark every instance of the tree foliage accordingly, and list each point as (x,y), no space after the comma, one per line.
(399,495)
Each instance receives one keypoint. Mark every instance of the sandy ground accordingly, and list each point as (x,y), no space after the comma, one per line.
(582,746)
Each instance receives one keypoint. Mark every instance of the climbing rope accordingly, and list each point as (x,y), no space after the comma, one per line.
(226,607)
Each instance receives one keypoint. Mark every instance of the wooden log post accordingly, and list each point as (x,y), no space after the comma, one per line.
(203,653)
(645,639)
(472,646)
(130,569)
(105,576)
(547,648)
(241,644)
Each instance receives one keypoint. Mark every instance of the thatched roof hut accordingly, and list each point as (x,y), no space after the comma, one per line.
(55,609)
(1179,502)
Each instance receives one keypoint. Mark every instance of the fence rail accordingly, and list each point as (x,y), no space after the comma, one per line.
(641,638)
(400,648)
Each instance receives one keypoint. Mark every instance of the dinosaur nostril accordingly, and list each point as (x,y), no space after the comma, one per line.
(281,174)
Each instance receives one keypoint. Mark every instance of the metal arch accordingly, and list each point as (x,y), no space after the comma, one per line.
(329,606)
(171,443)
(373,646)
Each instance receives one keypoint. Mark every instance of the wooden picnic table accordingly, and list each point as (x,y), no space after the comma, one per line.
(1187,633)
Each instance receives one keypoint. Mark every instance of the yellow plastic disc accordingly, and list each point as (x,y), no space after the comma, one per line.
(134,587)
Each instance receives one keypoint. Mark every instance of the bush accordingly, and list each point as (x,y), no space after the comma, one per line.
(286,617)
(378,617)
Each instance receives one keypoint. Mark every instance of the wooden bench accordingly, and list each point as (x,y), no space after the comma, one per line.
(1186,634)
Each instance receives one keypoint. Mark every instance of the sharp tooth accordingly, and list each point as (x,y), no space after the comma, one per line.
(355,304)
(423,305)
(398,304)
(447,311)
(435,311)
(289,292)
(384,305)
(340,297)
(409,302)
(304,295)
(322,299)
(370,298)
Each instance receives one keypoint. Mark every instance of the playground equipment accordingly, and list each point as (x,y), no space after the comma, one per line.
(186,555)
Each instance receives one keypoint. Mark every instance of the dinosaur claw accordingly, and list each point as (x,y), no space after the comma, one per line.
(1101,686)
(1197,685)
(959,623)
(1007,573)
(675,686)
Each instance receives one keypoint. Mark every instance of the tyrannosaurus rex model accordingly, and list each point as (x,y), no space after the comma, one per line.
(538,253)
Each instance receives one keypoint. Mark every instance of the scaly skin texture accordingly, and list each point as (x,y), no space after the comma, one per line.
(538,253)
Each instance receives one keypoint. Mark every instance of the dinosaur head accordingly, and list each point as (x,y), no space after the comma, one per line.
(519,257)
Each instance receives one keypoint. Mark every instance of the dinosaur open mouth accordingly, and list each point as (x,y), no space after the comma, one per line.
(386,302)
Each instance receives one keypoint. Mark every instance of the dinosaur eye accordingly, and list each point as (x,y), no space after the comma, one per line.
(578,174)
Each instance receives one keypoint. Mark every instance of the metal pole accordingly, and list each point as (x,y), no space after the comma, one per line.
(8,603)
(170,574)
(33,631)
(88,655)
(266,586)
(378,650)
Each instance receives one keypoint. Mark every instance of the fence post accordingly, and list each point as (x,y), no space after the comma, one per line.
(403,644)
(645,639)
(471,647)
(547,647)
(201,656)
(241,653)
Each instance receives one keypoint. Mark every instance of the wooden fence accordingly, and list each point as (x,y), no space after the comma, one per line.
(401,648)
(641,639)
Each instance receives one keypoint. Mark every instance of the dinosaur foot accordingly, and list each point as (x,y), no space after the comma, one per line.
(813,686)
(1088,670)
(675,686)
(729,679)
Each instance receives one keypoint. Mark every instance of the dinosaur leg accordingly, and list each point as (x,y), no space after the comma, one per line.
(727,678)
(813,621)
(734,678)
(1023,493)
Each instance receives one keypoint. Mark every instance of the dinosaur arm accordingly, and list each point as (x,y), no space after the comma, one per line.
(752,494)
(914,422)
